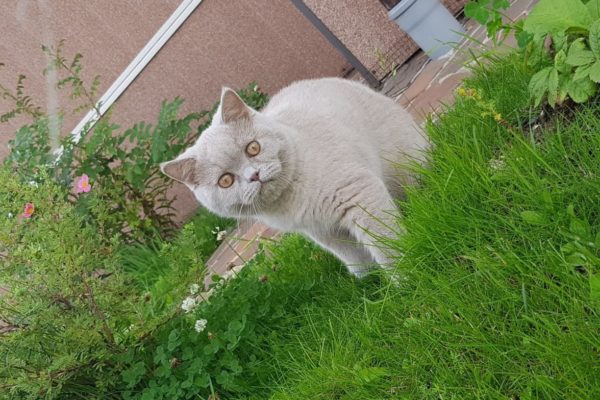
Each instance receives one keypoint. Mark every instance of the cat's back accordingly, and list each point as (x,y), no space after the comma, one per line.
(328,110)
(318,98)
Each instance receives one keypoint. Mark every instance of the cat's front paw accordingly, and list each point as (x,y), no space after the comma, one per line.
(359,271)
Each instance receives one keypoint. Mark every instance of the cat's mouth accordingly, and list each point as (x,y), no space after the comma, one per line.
(264,191)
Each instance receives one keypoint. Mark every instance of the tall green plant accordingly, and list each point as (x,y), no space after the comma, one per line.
(489,13)
(131,195)
(560,40)
(75,305)
(67,305)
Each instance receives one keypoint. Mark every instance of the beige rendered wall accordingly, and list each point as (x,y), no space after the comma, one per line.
(222,43)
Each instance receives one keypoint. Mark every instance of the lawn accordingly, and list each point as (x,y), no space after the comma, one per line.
(501,265)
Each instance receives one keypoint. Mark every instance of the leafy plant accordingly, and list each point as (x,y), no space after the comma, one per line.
(217,348)
(489,13)
(23,102)
(560,40)
(74,305)
(573,29)
(387,66)
(66,305)
(130,193)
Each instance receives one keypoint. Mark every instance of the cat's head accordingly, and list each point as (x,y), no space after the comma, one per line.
(240,165)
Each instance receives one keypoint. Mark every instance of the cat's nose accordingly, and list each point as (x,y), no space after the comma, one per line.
(251,174)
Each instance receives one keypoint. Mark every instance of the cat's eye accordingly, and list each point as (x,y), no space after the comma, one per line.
(253,148)
(226,180)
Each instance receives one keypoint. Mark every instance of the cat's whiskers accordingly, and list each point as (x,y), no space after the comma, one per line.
(239,217)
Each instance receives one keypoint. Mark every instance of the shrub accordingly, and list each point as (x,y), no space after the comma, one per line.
(132,197)
(67,306)
(76,306)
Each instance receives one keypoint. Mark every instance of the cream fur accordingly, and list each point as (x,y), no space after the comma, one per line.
(326,166)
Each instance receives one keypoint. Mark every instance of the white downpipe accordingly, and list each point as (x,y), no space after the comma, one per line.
(136,66)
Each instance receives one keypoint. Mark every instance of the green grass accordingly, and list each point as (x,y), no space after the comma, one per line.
(500,292)
(164,270)
(148,263)
(500,257)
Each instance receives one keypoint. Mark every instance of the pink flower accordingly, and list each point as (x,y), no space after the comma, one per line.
(28,210)
(83,184)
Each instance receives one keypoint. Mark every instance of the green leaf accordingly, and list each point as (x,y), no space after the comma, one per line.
(212,347)
(594,72)
(371,374)
(595,38)
(477,12)
(553,87)
(594,8)
(551,16)
(576,259)
(149,394)
(559,40)
(579,54)
(580,228)
(560,62)
(582,72)
(538,86)
(533,217)
(132,375)
(501,4)
(580,91)
(523,38)
(202,380)
(174,340)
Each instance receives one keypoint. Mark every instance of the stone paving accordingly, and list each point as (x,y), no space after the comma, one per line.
(421,85)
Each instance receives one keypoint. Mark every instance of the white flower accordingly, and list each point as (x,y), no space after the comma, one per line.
(9,215)
(194,288)
(33,183)
(497,163)
(219,233)
(200,325)
(189,303)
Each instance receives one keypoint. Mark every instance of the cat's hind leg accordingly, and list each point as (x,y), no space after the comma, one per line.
(357,259)
(370,218)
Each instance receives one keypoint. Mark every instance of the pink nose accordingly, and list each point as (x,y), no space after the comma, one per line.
(255,177)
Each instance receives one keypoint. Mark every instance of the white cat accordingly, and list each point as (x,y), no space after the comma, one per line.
(321,159)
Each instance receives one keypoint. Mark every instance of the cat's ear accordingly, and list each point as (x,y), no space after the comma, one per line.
(183,170)
(232,107)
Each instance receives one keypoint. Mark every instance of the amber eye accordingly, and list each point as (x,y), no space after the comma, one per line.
(226,180)
(253,148)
